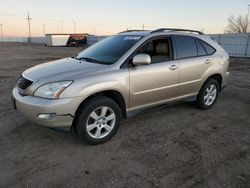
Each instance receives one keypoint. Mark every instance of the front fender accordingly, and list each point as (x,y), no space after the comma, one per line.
(84,88)
(106,86)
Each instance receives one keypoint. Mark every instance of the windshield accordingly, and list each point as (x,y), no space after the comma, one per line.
(109,50)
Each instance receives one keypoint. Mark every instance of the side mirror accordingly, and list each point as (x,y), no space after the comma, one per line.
(142,59)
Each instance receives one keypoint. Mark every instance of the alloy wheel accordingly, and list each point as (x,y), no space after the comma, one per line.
(210,94)
(100,122)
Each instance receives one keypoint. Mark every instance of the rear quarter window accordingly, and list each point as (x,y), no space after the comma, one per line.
(209,49)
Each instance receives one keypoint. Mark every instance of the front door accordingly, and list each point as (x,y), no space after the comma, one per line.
(158,81)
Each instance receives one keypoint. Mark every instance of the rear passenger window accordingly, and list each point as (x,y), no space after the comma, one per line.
(209,49)
(186,46)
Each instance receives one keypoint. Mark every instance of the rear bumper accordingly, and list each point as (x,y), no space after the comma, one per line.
(31,107)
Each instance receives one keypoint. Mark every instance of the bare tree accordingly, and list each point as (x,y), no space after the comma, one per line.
(237,25)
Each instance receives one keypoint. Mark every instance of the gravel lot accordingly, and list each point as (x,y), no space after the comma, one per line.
(170,146)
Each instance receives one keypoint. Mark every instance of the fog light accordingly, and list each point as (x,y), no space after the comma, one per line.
(46,116)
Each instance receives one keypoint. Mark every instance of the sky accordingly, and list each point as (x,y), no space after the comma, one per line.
(105,17)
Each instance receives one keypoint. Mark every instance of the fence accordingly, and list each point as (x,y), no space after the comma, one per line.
(237,45)
(38,40)
(91,39)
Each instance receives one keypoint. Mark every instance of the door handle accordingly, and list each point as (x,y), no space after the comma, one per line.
(173,67)
(208,61)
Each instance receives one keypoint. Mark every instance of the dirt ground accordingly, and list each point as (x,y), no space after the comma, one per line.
(170,146)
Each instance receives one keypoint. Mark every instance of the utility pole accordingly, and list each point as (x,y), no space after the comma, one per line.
(44,29)
(143,27)
(61,26)
(44,33)
(1,25)
(29,18)
(93,30)
(74,26)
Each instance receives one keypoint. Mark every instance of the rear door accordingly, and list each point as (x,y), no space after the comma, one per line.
(194,62)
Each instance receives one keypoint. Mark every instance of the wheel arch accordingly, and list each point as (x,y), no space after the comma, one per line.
(216,76)
(112,94)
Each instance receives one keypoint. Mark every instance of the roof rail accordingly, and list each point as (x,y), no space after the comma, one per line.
(127,31)
(174,29)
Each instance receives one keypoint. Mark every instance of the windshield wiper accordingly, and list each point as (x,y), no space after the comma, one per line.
(88,59)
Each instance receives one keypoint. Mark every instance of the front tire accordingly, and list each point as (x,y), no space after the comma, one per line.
(208,94)
(98,120)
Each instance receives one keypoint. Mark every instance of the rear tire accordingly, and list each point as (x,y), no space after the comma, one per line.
(208,94)
(98,120)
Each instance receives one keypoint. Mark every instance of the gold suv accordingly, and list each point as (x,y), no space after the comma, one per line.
(132,70)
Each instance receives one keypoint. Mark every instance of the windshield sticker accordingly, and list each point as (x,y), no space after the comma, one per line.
(132,38)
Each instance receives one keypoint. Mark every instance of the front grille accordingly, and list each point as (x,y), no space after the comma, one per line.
(24,83)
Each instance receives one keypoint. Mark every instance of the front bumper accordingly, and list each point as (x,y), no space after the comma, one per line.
(31,107)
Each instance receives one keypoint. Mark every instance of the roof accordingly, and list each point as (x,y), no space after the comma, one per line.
(162,30)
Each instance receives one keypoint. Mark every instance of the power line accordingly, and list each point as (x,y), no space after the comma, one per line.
(12,15)
(29,18)
(61,23)
(60,26)
(82,23)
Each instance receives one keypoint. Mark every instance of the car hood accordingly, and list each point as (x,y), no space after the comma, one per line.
(64,69)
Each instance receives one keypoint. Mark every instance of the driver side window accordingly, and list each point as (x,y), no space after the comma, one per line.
(158,49)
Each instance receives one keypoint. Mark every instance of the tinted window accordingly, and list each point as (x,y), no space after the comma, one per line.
(210,50)
(111,49)
(186,46)
(200,48)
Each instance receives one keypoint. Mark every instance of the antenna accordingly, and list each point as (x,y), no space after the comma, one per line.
(29,18)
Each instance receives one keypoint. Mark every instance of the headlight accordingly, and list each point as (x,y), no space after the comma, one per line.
(52,90)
